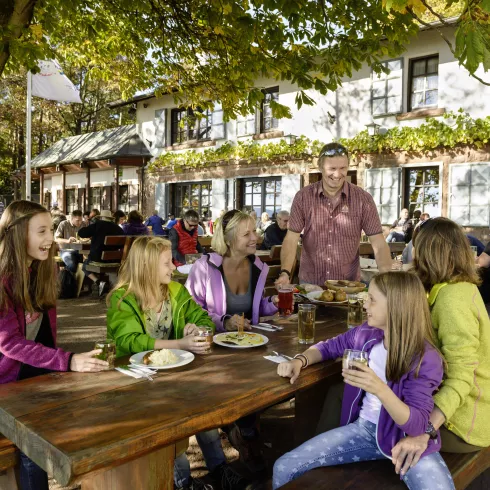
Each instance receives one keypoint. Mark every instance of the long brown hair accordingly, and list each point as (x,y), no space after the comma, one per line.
(34,290)
(442,253)
(139,274)
(409,323)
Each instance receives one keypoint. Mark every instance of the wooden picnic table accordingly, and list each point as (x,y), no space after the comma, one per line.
(79,246)
(107,430)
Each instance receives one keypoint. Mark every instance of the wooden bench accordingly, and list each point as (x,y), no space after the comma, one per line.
(9,458)
(376,475)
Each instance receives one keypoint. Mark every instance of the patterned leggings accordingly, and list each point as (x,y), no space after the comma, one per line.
(350,444)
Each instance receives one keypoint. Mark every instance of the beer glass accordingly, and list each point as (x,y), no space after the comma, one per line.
(355,305)
(205,334)
(306,324)
(286,303)
(108,353)
(354,355)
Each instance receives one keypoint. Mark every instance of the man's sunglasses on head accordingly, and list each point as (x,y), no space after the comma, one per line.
(333,151)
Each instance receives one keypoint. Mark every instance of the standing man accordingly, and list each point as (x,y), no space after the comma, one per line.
(331,215)
(171,221)
(66,233)
(274,234)
(184,237)
(156,224)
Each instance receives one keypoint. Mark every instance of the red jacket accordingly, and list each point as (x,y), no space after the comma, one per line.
(187,243)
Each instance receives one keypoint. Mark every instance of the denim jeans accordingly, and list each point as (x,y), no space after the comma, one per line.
(210,444)
(71,258)
(32,477)
(350,444)
(394,236)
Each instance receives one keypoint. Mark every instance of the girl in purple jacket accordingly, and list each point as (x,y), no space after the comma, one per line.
(385,401)
(28,293)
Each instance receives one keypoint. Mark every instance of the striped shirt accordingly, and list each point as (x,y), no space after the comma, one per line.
(332,231)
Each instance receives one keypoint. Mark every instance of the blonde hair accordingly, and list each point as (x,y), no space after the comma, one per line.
(442,253)
(226,230)
(35,291)
(409,323)
(139,274)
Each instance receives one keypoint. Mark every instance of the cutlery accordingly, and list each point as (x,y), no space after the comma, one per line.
(282,355)
(141,373)
(269,325)
(263,327)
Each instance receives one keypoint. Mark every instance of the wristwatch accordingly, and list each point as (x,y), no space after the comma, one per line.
(285,271)
(431,431)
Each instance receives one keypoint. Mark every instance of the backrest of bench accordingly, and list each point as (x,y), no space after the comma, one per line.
(124,242)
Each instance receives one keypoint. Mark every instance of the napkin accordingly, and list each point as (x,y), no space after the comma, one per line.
(262,327)
(277,359)
(129,373)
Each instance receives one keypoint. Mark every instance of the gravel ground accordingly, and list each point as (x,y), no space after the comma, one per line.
(82,321)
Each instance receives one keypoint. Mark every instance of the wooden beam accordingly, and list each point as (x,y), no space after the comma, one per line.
(87,188)
(63,191)
(116,193)
(41,187)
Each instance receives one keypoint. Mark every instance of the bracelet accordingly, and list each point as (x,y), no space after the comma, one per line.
(300,356)
(285,271)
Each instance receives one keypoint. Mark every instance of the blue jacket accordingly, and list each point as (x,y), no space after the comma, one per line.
(156,224)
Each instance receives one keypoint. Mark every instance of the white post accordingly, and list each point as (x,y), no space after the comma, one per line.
(28,136)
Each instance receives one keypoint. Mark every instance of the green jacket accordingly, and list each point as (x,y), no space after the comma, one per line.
(126,323)
(462,327)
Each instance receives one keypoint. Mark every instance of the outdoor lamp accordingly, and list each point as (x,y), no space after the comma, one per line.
(290,139)
(373,129)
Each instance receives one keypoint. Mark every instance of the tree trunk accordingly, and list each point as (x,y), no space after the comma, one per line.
(15,15)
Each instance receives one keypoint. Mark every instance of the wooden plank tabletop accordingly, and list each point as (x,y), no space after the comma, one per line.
(74,424)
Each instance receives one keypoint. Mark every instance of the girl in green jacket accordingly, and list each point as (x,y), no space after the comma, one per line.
(148,311)
(446,266)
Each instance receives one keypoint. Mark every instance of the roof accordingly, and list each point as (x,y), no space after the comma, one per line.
(120,142)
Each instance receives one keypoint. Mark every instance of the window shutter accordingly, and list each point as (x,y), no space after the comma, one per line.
(384,185)
(469,194)
(160,122)
(218,125)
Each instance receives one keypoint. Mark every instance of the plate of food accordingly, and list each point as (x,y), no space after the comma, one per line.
(162,359)
(328,297)
(347,286)
(306,288)
(232,339)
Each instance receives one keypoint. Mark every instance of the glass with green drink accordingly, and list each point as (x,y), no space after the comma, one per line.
(108,348)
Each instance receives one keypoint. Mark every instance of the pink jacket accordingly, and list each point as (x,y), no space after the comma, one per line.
(16,350)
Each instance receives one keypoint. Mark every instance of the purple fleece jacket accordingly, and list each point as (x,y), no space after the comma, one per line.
(415,391)
(207,287)
(16,350)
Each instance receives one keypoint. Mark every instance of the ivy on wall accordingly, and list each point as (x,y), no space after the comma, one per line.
(455,128)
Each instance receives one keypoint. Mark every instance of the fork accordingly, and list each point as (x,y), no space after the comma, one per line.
(141,373)
(282,355)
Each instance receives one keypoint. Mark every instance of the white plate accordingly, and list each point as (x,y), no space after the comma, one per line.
(219,337)
(184,269)
(184,358)
(314,295)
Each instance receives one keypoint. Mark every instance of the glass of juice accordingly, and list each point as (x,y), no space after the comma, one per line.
(306,324)
(286,303)
(355,305)
(205,334)
(108,353)
(354,355)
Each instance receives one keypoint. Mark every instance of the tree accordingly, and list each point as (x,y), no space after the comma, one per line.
(218,49)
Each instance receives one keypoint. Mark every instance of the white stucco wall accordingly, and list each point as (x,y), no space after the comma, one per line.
(129,176)
(75,180)
(101,177)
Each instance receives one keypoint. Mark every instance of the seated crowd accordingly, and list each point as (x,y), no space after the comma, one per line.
(427,335)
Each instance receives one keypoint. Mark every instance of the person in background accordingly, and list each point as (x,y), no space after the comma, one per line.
(86,217)
(57,217)
(94,214)
(28,293)
(402,229)
(330,215)
(416,217)
(156,224)
(148,311)
(184,237)
(104,226)
(275,233)
(66,234)
(474,242)
(382,402)
(135,225)
(264,223)
(446,266)
(226,283)
(119,218)
(484,272)
(171,221)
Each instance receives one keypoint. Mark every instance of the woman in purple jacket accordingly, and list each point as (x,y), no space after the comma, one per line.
(227,283)
(28,293)
(383,402)
(135,225)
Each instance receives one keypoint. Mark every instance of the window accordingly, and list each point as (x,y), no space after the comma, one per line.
(182,125)
(424,81)
(193,195)
(245,125)
(267,122)
(386,89)
(384,185)
(123,199)
(95,197)
(263,195)
(469,193)
(187,127)
(71,200)
(422,190)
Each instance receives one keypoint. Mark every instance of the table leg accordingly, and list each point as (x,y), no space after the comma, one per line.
(153,471)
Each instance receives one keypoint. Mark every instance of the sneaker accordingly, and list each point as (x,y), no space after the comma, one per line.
(250,450)
(228,479)
(102,285)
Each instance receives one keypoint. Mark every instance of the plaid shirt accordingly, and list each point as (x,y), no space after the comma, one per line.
(332,231)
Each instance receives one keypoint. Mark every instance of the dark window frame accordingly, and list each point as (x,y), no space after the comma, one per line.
(71,204)
(263,193)
(271,93)
(386,97)
(426,73)
(178,191)
(97,204)
(412,205)
(195,128)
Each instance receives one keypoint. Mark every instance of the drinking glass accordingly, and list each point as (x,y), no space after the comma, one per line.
(306,324)
(355,305)
(286,304)
(354,355)
(474,250)
(205,334)
(108,353)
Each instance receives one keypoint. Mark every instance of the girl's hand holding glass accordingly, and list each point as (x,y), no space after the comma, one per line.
(189,329)
(86,363)
(188,343)
(232,323)
(362,376)
(290,369)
